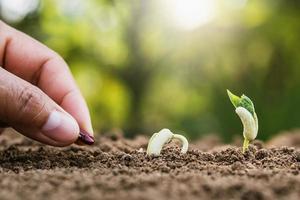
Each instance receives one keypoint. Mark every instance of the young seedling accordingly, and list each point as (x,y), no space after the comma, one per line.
(246,111)
(158,140)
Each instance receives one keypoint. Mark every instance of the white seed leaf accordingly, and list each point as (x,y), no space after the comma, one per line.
(249,121)
(158,140)
(184,141)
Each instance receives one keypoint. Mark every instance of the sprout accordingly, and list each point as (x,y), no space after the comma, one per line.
(245,110)
(158,140)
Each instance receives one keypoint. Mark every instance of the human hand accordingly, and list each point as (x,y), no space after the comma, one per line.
(38,95)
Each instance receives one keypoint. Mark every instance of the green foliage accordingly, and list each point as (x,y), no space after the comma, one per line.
(235,100)
(140,73)
(242,101)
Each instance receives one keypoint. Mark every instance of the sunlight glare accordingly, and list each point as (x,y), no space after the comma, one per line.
(190,14)
(15,10)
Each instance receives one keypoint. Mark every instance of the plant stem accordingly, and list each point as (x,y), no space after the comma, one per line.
(245,145)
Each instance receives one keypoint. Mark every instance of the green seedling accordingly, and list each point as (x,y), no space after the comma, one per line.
(246,111)
(158,140)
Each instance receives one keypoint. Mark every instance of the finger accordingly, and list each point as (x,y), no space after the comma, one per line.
(31,112)
(56,73)
(41,137)
(34,62)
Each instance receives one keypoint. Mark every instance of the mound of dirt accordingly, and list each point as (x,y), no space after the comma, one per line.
(117,168)
(286,138)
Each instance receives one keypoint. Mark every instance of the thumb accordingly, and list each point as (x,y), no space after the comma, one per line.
(31,112)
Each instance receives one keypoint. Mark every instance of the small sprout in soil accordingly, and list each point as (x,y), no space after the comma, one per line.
(245,110)
(158,140)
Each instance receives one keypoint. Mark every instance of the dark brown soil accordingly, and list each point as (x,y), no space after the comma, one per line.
(116,168)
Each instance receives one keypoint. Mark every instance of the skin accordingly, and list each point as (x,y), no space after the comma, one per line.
(27,65)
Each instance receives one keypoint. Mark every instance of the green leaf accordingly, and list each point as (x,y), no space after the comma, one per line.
(242,101)
(235,100)
(248,104)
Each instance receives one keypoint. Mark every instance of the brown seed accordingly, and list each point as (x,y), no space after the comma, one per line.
(86,138)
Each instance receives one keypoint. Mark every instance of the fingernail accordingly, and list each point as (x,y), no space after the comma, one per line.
(61,127)
(86,137)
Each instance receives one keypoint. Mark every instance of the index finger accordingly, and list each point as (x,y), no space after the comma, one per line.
(36,63)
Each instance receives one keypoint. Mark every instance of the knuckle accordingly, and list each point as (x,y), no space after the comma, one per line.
(30,101)
(58,59)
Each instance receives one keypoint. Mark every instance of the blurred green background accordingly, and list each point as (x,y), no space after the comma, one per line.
(144,65)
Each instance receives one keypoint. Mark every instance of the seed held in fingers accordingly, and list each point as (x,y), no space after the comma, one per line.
(86,138)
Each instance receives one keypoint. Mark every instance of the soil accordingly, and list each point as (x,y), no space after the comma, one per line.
(118,168)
